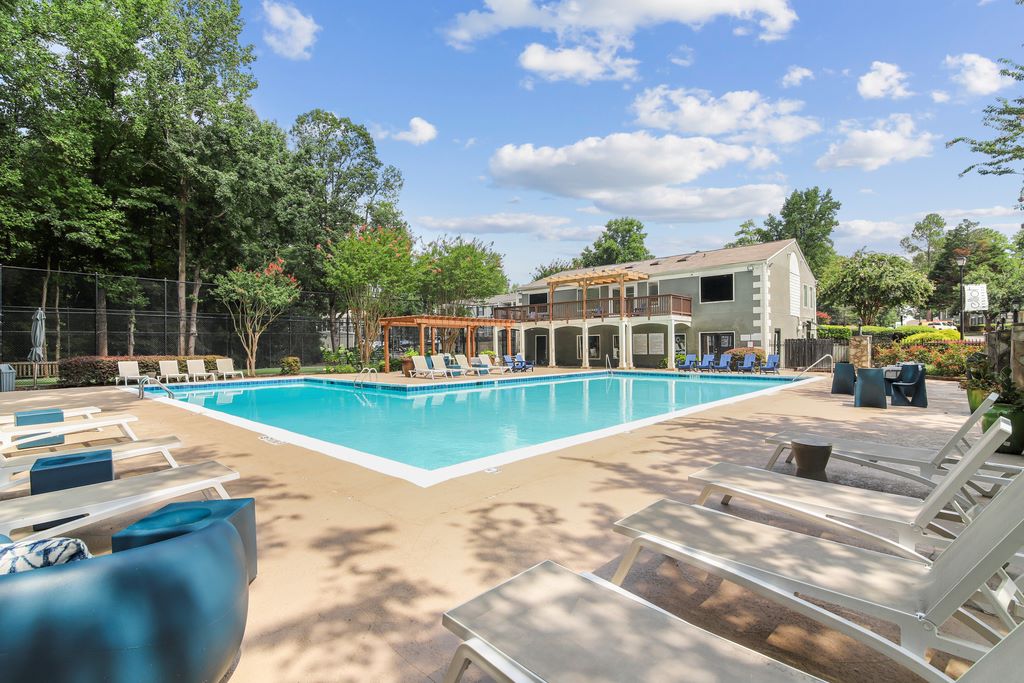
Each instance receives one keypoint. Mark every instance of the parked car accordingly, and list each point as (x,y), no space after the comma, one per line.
(941,325)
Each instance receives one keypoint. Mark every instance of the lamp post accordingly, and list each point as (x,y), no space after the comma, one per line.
(961,261)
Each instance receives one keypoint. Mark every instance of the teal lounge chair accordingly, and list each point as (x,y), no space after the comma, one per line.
(748,363)
(706,361)
(723,363)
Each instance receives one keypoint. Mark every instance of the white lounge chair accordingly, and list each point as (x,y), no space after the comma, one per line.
(930,464)
(551,624)
(912,520)
(226,368)
(23,437)
(421,369)
(476,369)
(169,370)
(128,371)
(916,595)
(98,502)
(87,411)
(197,369)
(441,366)
(20,464)
(486,360)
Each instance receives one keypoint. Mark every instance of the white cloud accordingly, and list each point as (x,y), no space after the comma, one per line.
(683,56)
(883,80)
(976,74)
(796,75)
(291,33)
(580,64)
(745,115)
(693,204)
(861,230)
(893,139)
(979,214)
(543,226)
(940,96)
(420,132)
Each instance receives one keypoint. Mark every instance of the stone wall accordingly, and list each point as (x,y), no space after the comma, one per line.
(997,348)
(1017,353)
(860,351)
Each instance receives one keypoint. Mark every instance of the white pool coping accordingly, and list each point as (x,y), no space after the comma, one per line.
(425,478)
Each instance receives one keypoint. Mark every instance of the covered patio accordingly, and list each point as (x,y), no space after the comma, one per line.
(434,322)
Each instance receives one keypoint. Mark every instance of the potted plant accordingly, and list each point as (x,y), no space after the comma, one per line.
(1010,406)
(407,362)
(979,381)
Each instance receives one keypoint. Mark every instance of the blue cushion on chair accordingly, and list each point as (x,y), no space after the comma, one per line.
(23,556)
(24,418)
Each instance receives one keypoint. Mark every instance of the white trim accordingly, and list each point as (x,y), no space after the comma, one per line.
(700,293)
(579,345)
(425,478)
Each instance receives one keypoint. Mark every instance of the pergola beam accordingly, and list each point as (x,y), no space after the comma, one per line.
(469,325)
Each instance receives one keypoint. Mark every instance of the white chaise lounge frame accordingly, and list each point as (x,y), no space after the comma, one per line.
(12,437)
(86,411)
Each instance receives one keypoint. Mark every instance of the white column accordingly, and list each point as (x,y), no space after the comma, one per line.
(622,344)
(495,346)
(585,351)
(629,347)
(551,344)
(670,345)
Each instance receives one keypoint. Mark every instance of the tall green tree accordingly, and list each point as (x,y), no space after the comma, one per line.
(925,241)
(622,241)
(808,216)
(548,269)
(872,284)
(984,248)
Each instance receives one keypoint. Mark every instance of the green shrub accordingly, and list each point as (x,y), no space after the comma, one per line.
(488,352)
(949,359)
(346,369)
(904,331)
(738,354)
(291,365)
(841,332)
(87,371)
(932,335)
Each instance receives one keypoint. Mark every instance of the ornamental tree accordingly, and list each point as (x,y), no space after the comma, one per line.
(872,284)
(255,299)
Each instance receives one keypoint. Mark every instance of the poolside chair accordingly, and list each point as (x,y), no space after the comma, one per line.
(749,360)
(474,368)
(931,465)
(442,366)
(688,363)
(723,363)
(771,364)
(226,368)
(37,435)
(197,369)
(128,371)
(705,362)
(552,624)
(169,370)
(909,388)
(21,464)
(97,502)
(421,369)
(486,360)
(911,520)
(917,595)
(87,411)
(523,363)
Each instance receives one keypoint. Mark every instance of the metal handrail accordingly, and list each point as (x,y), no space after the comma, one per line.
(608,361)
(146,380)
(832,363)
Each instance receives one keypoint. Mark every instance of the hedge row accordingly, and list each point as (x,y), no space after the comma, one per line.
(86,371)
(844,332)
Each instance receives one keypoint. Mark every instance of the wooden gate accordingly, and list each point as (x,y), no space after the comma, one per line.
(800,353)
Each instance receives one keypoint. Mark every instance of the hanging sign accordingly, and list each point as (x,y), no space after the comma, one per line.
(976,297)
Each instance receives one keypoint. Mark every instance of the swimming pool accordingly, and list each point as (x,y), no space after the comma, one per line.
(430,433)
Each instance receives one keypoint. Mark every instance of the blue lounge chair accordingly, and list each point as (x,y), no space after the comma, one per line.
(523,363)
(706,361)
(771,365)
(723,363)
(748,363)
(688,364)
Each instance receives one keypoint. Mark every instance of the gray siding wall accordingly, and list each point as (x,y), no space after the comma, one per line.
(736,316)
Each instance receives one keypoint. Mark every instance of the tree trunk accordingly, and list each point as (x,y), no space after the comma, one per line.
(131,333)
(182,253)
(102,337)
(56,317)
(332,322)
(193,326)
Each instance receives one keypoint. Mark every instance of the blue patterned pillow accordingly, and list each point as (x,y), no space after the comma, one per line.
(22,556)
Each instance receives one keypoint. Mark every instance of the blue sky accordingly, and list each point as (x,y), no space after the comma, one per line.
(530,124)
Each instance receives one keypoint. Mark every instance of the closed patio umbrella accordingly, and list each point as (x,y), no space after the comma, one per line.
(35,356)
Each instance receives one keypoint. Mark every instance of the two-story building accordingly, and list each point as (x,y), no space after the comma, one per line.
(641,314)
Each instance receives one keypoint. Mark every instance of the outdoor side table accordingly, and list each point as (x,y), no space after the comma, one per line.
(177,519)
(844,379)
(69,471)
(811,456)
(870,390)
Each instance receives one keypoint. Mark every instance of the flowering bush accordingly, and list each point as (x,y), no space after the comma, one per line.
(946,359)
(291,365)
(823,318)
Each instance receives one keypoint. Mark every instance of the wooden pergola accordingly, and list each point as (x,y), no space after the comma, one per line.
(595,278)
(470,325)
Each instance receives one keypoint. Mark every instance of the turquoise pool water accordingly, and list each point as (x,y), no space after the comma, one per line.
(436,429)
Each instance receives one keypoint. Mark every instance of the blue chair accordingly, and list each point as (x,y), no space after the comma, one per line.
(511,362)
(688,364)
(771,364)
(523,363)
(844,379)
(705,362)
(748,363)
(869,391)
(171,611)
(723,363)
(909,387)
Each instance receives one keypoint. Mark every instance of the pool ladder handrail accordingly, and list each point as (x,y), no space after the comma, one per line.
(831,365)
(607,361)
(369,372)
(147,380)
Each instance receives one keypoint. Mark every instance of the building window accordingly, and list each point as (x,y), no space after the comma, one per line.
(715,288)
(594,344)
(652,289)
(680,342)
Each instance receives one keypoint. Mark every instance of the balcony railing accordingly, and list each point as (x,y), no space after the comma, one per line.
(599,309)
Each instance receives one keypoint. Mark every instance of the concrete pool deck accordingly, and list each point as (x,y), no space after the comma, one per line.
(356,567)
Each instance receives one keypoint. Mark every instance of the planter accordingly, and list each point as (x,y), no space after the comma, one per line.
(1015,444)
(407,366)
(975,397)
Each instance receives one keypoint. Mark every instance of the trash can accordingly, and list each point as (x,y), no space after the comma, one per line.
(7,377)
